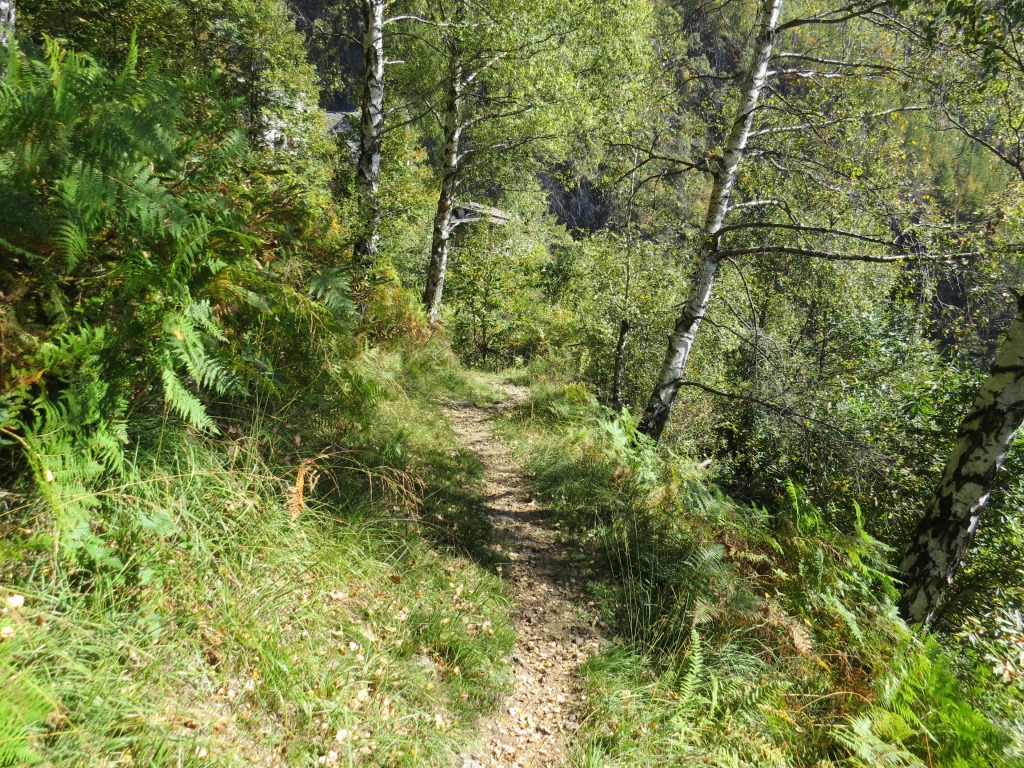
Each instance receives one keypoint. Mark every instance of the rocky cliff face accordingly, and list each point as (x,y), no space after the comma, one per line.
(337,57)
(581,207)
(6,20)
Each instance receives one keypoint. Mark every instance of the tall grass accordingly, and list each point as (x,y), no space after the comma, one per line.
(237,618)
(740,636)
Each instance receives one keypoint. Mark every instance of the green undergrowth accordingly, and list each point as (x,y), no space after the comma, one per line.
(740,636)
(298,591)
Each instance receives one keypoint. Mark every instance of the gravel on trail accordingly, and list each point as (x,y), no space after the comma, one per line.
(555,627)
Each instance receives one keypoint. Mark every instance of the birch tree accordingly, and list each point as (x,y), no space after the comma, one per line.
(520,79)
(329,41)
(803,111)
(458,80)
(655,416)
(478,45)
(942,537)
(372,118)
(6,21)
(371,130)
(981,96)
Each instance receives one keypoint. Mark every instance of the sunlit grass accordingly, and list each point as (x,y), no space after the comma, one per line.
(244,626)
(740,636)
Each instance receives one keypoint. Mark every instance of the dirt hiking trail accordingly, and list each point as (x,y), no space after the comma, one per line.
(555,630)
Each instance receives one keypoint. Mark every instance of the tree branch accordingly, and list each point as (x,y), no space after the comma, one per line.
(757,204)
(834,121)
(497,116)
(851,11)
(810,230)
(873,258)
(835,62)
(783,411)
(420,20)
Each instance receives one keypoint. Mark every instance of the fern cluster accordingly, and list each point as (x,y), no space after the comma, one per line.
(141,272)
(746,636)
(23,712)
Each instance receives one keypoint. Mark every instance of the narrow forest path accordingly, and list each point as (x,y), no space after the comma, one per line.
(555,632)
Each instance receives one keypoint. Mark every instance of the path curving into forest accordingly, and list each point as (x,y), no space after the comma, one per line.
(555,630)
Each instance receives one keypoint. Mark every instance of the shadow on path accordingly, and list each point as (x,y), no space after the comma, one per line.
(554,625)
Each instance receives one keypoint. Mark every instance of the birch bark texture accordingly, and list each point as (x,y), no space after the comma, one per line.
(619,365)
(941,539)
(371,131)
(659,407)
(453,128)
(6,22)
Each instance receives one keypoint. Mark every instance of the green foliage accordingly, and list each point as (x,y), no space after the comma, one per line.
(498,315)
(607,278)
(743,636)
(23,711)
(131,266)
(185,385)
(201,640)
(240,63)
(848,377)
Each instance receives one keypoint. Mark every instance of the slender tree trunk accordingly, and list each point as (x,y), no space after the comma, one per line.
(453,127)
(6,21)
(941,539)
(620,364)
(371,132)
(655,416)
(618,370)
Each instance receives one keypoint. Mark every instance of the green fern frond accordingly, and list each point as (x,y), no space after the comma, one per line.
(869,750)
(333,289)
(24,707)
(694,661)
(184,403)
(188,333)
(74,244)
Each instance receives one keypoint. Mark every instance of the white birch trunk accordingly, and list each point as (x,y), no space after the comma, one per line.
(453,127)
(6,22)
(941,539)
(371,131)
(619,365)
(655,416)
